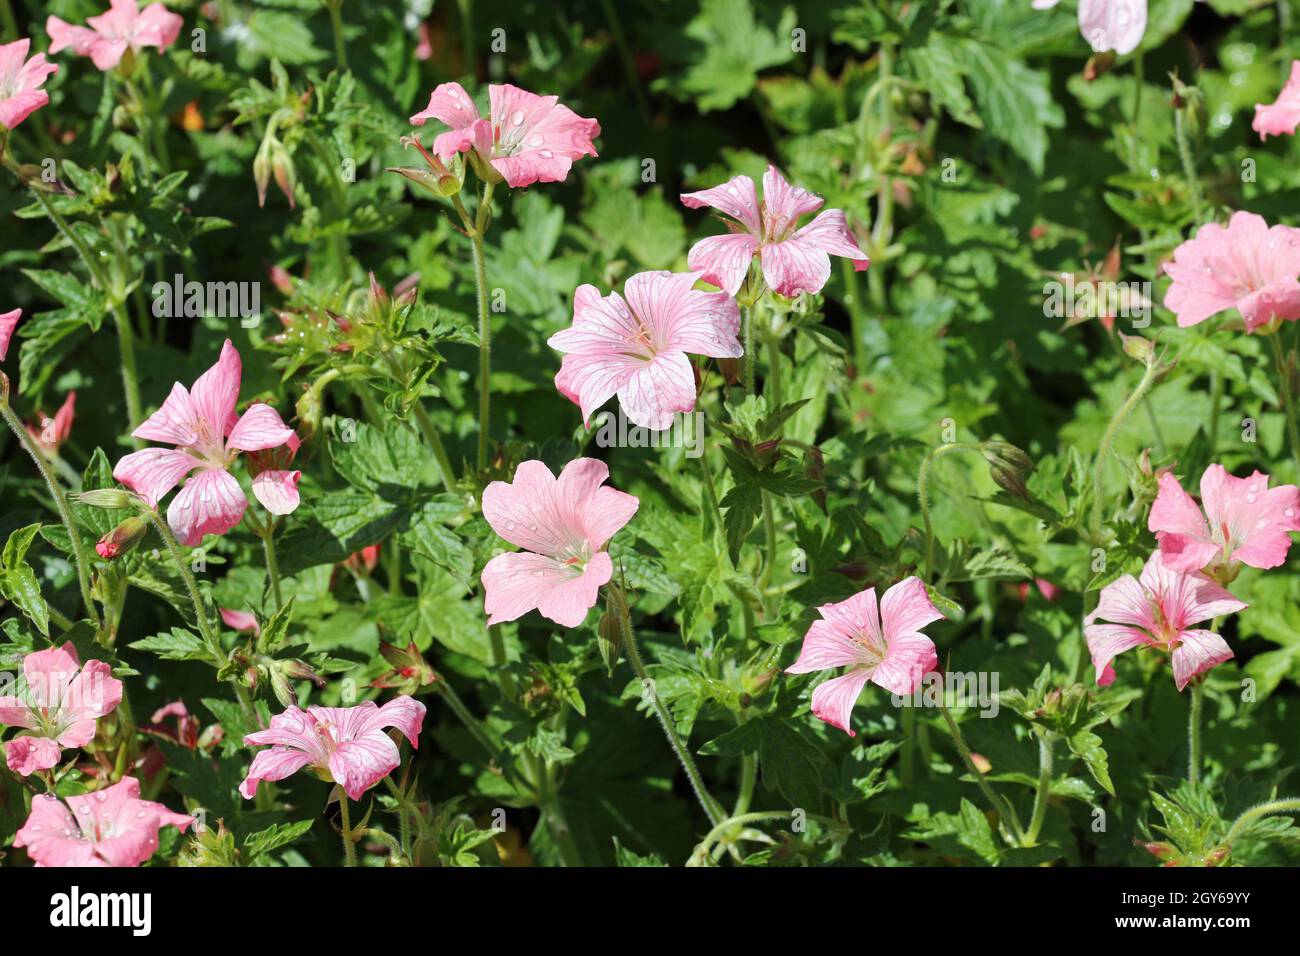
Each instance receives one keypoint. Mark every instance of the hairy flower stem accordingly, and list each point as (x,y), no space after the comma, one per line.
(336,26)
(1284,805)
(1041,795)
(1194,732)
(475,229)
(272,566)
(219,657)
(922,489)
(747,332)
(1288,398)
(345,829)
(1000,805)
(1189,165)
(712,809)
(79,556)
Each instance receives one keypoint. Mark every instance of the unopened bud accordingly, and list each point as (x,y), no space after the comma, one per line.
(112,499)
(122,538)
(1137,347)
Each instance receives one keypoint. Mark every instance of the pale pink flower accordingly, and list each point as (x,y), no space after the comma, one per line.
(562,524)
(793,260)
(1244,522)
(1108,24)
(881,643)
(20,89)
(8,322)
(1245,265)
(58,705)
(526,139)
(110,827)
(51,433)
(346,745)
(124,26)
(241,621)
(636,348)
(1158,610)
(1282,116)
(209,436)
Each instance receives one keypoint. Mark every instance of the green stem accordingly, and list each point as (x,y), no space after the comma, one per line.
(922,489)
(1108,439)
(349,851)
(907,758)
(267,534)
(1288,399)
(1194,733)
(79,556)
(748,778)
(1044,788)
(1285,805)
(1189,166)
(710,492)
(336,26)
(1000,805)
(430,433)
(474,229)
(747,331)
(711,807)
(548,803)
(772,388)
(769,537)
(458,708)
(219,658)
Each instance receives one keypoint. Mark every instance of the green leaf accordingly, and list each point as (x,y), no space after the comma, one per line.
(174,645)
(1087,745)
(741,507)
(18,582)
(274,837)
(734,48)
(1014,101)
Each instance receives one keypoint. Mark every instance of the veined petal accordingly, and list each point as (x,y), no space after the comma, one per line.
(906,608)
(736,197)
(794,266)
(216,391)
(259,428)
(828,643)
(357,765)
(654,393)
(274,764)
(450,104)
(1105,641)
(907,660)
(210,503)
(833,700)
(176,423)
(724,260)
(830,233)
(1196,653)
(277,491)
(152,472)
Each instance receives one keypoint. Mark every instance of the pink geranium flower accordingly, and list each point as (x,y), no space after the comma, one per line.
(1245,265)
(58,705)
(209,436)
(1244,522)
(110,827)
(636,348)
(51,433)
(561,524)
(1108,24)
(8,322)
(20,90)
(1158,610)
(878,643)
(526,139)
(124,26)
(345,745)
(1283,114)
(793,260)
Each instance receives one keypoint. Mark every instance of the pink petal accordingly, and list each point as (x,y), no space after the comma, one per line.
(1123,601)
(153,472)
(674,315)
(259,428)
(736,197)
(1257,521)
(357,765)
(210,503)
(157,26)
(43,835)
(795,266)
(176,423)
(517,583)
(26,755)
(14,712)
(406,714)
(77,734)
(274,764)
(827,644)
(724,260)
(600,511)
(64,35)
(1283,115)
(906,608)
(49,672)
(907,660)
(1196,653)
(1186,599)
(93,693)
(242,621)
(830,233)
(277,491)
(1105,641)
(833,700)
(1180,526)
(8,320)
(783,204)
(216,391)
(655,393)
(1113,24)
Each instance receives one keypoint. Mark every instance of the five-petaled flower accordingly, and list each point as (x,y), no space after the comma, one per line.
(1282,116)
(562,523)
(208,436)
(1244,522)
(881,643)
(345,745)
(58,705)
(793,260)
(1245,265)
(123,26)
(636,347)
(1158,610)
(20,91)
(110,827)
(526,138)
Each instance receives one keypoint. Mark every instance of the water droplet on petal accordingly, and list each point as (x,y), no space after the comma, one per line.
(517,117)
